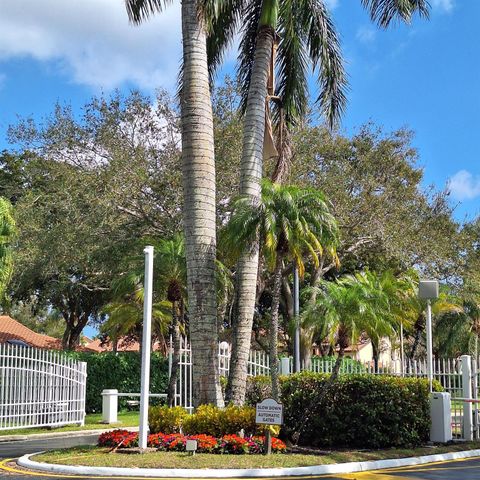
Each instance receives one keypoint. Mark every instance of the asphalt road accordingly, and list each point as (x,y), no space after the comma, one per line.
(457,470)
(19,448)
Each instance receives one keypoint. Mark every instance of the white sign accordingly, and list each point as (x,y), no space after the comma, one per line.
(269,412)
(191,445)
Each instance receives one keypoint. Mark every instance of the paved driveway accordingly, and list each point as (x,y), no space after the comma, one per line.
(468,469)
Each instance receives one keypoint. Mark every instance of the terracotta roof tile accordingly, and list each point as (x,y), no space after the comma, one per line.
(10,329)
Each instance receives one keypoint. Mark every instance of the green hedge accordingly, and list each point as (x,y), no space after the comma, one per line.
(120,371)
(363,411)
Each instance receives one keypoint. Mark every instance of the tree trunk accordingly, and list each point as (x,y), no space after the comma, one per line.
(338,365)
(375,354)
(198,168)
(273,334)
(250,176)
(73,330)
(419,327)
(175,357)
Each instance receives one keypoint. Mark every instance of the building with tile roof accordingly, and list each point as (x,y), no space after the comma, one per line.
(14,332)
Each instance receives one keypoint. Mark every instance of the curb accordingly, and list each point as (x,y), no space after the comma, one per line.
(338,468)
(76,433)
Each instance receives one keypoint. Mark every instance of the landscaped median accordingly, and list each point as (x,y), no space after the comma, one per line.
(98,461)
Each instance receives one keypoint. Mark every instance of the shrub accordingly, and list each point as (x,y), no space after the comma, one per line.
(367,411)
(165,419)
(211,420)
(120,371)
(205,420)
(232,419)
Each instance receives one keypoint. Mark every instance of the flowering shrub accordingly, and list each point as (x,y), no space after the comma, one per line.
(117,438)
(176,442)
(233,444)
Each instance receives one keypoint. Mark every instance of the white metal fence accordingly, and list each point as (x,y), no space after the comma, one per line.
(40,388)
(463,383)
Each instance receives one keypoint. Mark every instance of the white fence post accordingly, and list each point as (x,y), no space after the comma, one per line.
(285,366)
(110,406)
(467,394)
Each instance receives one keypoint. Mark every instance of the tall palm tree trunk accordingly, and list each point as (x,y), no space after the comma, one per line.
(250,176)
(198,168)
(273,334)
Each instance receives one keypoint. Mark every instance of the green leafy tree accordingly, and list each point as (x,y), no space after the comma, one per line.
(76,220)
(7,234)
(290,222)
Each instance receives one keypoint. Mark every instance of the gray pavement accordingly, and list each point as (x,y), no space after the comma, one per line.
(455,470)
(19,448)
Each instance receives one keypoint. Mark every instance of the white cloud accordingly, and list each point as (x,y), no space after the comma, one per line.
(464,186)
(331,4)
(443,5)
(366,34)
(92,41)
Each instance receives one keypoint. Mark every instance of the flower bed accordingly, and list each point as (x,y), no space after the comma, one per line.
(176,442)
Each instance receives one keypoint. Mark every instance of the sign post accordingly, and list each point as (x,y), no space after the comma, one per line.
(269,412)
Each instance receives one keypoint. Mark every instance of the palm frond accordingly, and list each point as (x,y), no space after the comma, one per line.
(140,10)
(383,12)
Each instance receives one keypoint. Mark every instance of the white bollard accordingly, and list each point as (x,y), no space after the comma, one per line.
(467,393)
(110,406)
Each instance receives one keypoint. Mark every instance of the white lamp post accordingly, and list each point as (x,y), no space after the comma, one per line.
(146,346)
(428,290)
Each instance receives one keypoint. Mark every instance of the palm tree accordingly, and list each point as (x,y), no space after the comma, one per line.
(125,311)
(306,36)
(171,272)
(303,31)
(346,309)
(7,233)
(456,331)
(290,222)
(198,169)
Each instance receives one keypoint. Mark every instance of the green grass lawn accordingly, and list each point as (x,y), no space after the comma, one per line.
(94,456)
(92,422)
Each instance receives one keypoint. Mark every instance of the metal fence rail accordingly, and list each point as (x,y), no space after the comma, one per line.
(40,388)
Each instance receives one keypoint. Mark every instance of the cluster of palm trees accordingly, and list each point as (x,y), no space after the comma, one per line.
(280,38)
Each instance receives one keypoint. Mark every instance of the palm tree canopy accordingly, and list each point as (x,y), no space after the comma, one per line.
(365,302)
(384,12)
(288,219)
(307,38)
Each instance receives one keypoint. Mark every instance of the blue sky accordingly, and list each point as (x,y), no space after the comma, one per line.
(425,76)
